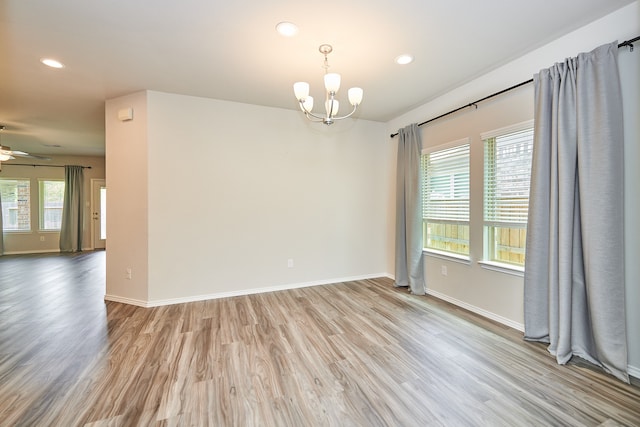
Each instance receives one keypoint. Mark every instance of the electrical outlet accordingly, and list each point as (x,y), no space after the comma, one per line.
(42,238)
(290,263)
(443,270)
(128,274)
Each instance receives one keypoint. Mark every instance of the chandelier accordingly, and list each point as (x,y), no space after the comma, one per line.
(331,85)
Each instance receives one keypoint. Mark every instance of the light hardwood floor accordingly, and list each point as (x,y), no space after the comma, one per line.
(361,353)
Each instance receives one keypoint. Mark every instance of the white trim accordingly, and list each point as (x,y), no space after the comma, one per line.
(92,208)
(123,300)
(506,130)
(514,270)
(634,371)
(477,310)
(452,144)
(39,251)
(242,292)
(42,251)
(449,256)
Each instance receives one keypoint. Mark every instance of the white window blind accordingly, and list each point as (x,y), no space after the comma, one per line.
(16,204)
(51,204)
(446,185)
(507,162)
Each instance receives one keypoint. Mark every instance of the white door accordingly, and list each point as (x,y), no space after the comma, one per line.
(99,213)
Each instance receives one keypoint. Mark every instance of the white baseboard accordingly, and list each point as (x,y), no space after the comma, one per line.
(123,300)
(182,300)
(482,312)
(634,371)
(40,251)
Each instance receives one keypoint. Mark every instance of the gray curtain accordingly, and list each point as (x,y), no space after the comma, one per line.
(574,269)
(72,210)
(409,264)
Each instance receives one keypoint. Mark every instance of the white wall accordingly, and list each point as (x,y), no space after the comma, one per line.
(236,190)
(36,241)
(495,294)
(127,206)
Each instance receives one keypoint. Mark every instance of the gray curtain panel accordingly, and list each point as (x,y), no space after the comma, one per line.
(71,229)
(574,270)
(409,263)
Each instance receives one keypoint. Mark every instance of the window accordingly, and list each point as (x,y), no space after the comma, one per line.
(51,201)
(445,192)
(16,201)
(507,172)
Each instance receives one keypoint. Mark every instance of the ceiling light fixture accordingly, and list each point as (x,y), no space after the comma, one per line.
(331,84)
(287,29)
(404,59)
(52,63)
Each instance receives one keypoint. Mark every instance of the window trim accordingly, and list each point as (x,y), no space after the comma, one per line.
(30,229)
(442,147)
(501,267)
(449,256)
(486,262)
(41,205)
(528,124)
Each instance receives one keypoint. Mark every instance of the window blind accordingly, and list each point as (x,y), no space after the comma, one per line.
(446,185)
(507,162)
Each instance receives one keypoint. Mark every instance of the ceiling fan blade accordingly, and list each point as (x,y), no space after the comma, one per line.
(30,156)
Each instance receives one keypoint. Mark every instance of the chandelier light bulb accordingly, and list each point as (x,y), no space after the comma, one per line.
(355,96)
(332,82)
(307,104)
(301,90)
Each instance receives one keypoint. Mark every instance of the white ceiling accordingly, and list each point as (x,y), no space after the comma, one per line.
(230,50)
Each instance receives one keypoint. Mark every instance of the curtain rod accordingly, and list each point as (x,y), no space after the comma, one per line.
(40,166)
(474,104)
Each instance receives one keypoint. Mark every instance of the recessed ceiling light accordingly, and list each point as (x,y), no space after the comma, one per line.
(404,59)
(287,29)
(52,63)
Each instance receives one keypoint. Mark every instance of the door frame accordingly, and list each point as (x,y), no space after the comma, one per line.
(96,184)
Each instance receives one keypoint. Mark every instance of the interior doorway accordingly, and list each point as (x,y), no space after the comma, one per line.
(99,213)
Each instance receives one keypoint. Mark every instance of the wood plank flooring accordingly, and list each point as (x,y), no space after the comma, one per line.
(361,353)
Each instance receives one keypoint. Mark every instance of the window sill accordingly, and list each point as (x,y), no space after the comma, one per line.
(462,259)
(514,270)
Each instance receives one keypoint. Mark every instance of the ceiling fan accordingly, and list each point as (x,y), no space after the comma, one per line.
(6,153)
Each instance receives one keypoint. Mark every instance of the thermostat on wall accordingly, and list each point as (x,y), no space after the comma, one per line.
(125,114)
